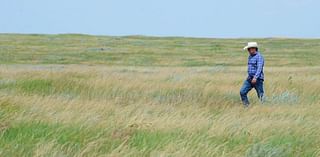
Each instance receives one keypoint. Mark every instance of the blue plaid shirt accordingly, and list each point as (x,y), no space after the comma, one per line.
(255,66)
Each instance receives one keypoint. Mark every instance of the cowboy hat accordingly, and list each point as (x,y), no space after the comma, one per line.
(251,45)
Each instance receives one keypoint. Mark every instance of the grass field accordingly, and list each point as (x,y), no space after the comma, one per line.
(79,95)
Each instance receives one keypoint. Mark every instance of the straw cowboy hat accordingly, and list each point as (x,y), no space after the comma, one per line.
(251,45)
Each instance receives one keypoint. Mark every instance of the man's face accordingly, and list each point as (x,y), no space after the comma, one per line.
(252,50)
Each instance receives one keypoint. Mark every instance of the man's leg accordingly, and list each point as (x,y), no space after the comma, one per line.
(259,88)
(246,87)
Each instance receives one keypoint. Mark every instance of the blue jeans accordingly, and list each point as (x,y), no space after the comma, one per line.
(247,86)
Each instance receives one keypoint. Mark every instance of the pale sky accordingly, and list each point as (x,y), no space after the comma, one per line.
(191,18)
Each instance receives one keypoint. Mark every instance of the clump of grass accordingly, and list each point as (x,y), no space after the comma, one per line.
(258,150)
(286,97)
(38,86)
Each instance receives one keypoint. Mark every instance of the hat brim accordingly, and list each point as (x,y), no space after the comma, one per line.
(247,47)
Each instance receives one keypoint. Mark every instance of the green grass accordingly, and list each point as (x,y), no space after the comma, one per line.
(149,51)
(22,139)
(81,95)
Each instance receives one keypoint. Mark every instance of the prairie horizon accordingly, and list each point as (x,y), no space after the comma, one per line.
(85,95)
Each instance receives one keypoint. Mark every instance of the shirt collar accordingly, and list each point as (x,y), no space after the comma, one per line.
(254,54)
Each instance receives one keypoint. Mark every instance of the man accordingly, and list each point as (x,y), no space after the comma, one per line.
(255,77)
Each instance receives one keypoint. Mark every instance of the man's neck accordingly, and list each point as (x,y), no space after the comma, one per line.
(254,53)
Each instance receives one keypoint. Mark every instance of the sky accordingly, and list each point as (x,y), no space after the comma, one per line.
(188,18)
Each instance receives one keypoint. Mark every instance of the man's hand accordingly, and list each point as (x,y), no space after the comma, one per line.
(254,81)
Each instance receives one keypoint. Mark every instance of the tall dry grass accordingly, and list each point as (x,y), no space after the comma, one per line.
(81,110)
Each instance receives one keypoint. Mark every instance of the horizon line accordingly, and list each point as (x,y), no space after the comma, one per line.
(160,36)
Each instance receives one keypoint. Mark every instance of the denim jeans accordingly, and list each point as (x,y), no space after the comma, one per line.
(247,86)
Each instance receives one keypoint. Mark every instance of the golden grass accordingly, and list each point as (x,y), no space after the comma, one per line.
(196,111)
(80,95)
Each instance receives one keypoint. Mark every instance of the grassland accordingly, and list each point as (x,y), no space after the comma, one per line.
(79,95)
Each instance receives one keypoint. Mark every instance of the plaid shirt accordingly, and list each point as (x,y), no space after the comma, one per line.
(255,66)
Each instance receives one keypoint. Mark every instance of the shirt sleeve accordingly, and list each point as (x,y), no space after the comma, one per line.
(260,63)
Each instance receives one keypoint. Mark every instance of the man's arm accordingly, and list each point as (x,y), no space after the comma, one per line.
(260,62)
